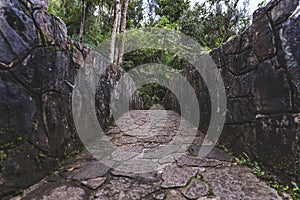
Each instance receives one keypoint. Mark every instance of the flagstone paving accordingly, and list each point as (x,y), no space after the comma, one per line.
(150,159)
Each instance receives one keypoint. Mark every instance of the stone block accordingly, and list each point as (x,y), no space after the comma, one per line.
(271,90)
(263,35)
(283,10)
(242,109)
(278,141)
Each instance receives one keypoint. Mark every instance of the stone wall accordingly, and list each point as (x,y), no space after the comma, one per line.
(261,73)
(38,64)
(38,68)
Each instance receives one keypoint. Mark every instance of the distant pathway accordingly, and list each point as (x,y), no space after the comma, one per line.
(178,175)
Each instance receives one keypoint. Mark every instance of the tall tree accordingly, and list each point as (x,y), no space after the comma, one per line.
(115,30)
(120,52)
(83,18)
(172,9)
(214,21)
(135,14)
(119,27)
(150,7)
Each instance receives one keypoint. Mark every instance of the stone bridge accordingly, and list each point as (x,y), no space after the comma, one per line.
(38,67)
(147,173)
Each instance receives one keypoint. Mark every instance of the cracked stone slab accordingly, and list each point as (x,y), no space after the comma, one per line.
(120,155)
(188,160)
(124,140)
(55,191)
(142,177)
(94,183)
(215,153)
(137,165)
(90,170)
(177,177)
(175,195)
(159,195)
(64,191)
(195,190)
(161,151)
(125,189)
(238,182)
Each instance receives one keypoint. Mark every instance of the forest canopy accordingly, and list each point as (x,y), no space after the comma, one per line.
(211,23)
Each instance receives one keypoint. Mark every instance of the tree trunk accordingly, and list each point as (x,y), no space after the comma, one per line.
(115,30)
(117,43)
(122,31)
(124,16)
(82,24)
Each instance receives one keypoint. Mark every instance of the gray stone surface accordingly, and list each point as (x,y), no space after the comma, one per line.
(177,177)
(261,74)
(237,182)
(183,177)
(94,183)
(192,161)
(124,188)
(195,190)
(64,191)
(38,65)
(35,122)
(90,170)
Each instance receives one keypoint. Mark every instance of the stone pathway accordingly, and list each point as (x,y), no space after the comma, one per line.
(150,160)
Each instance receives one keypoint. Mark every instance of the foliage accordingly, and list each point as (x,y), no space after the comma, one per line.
(214,22)
(225,149)
(172,9)
(3,156)
(262,4)
(135,14)
(153,93)
(259,170)
(98,19)
(210,23)
(150,10)
(291,189)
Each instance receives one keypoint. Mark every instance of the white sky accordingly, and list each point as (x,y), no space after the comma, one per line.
(253,4)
